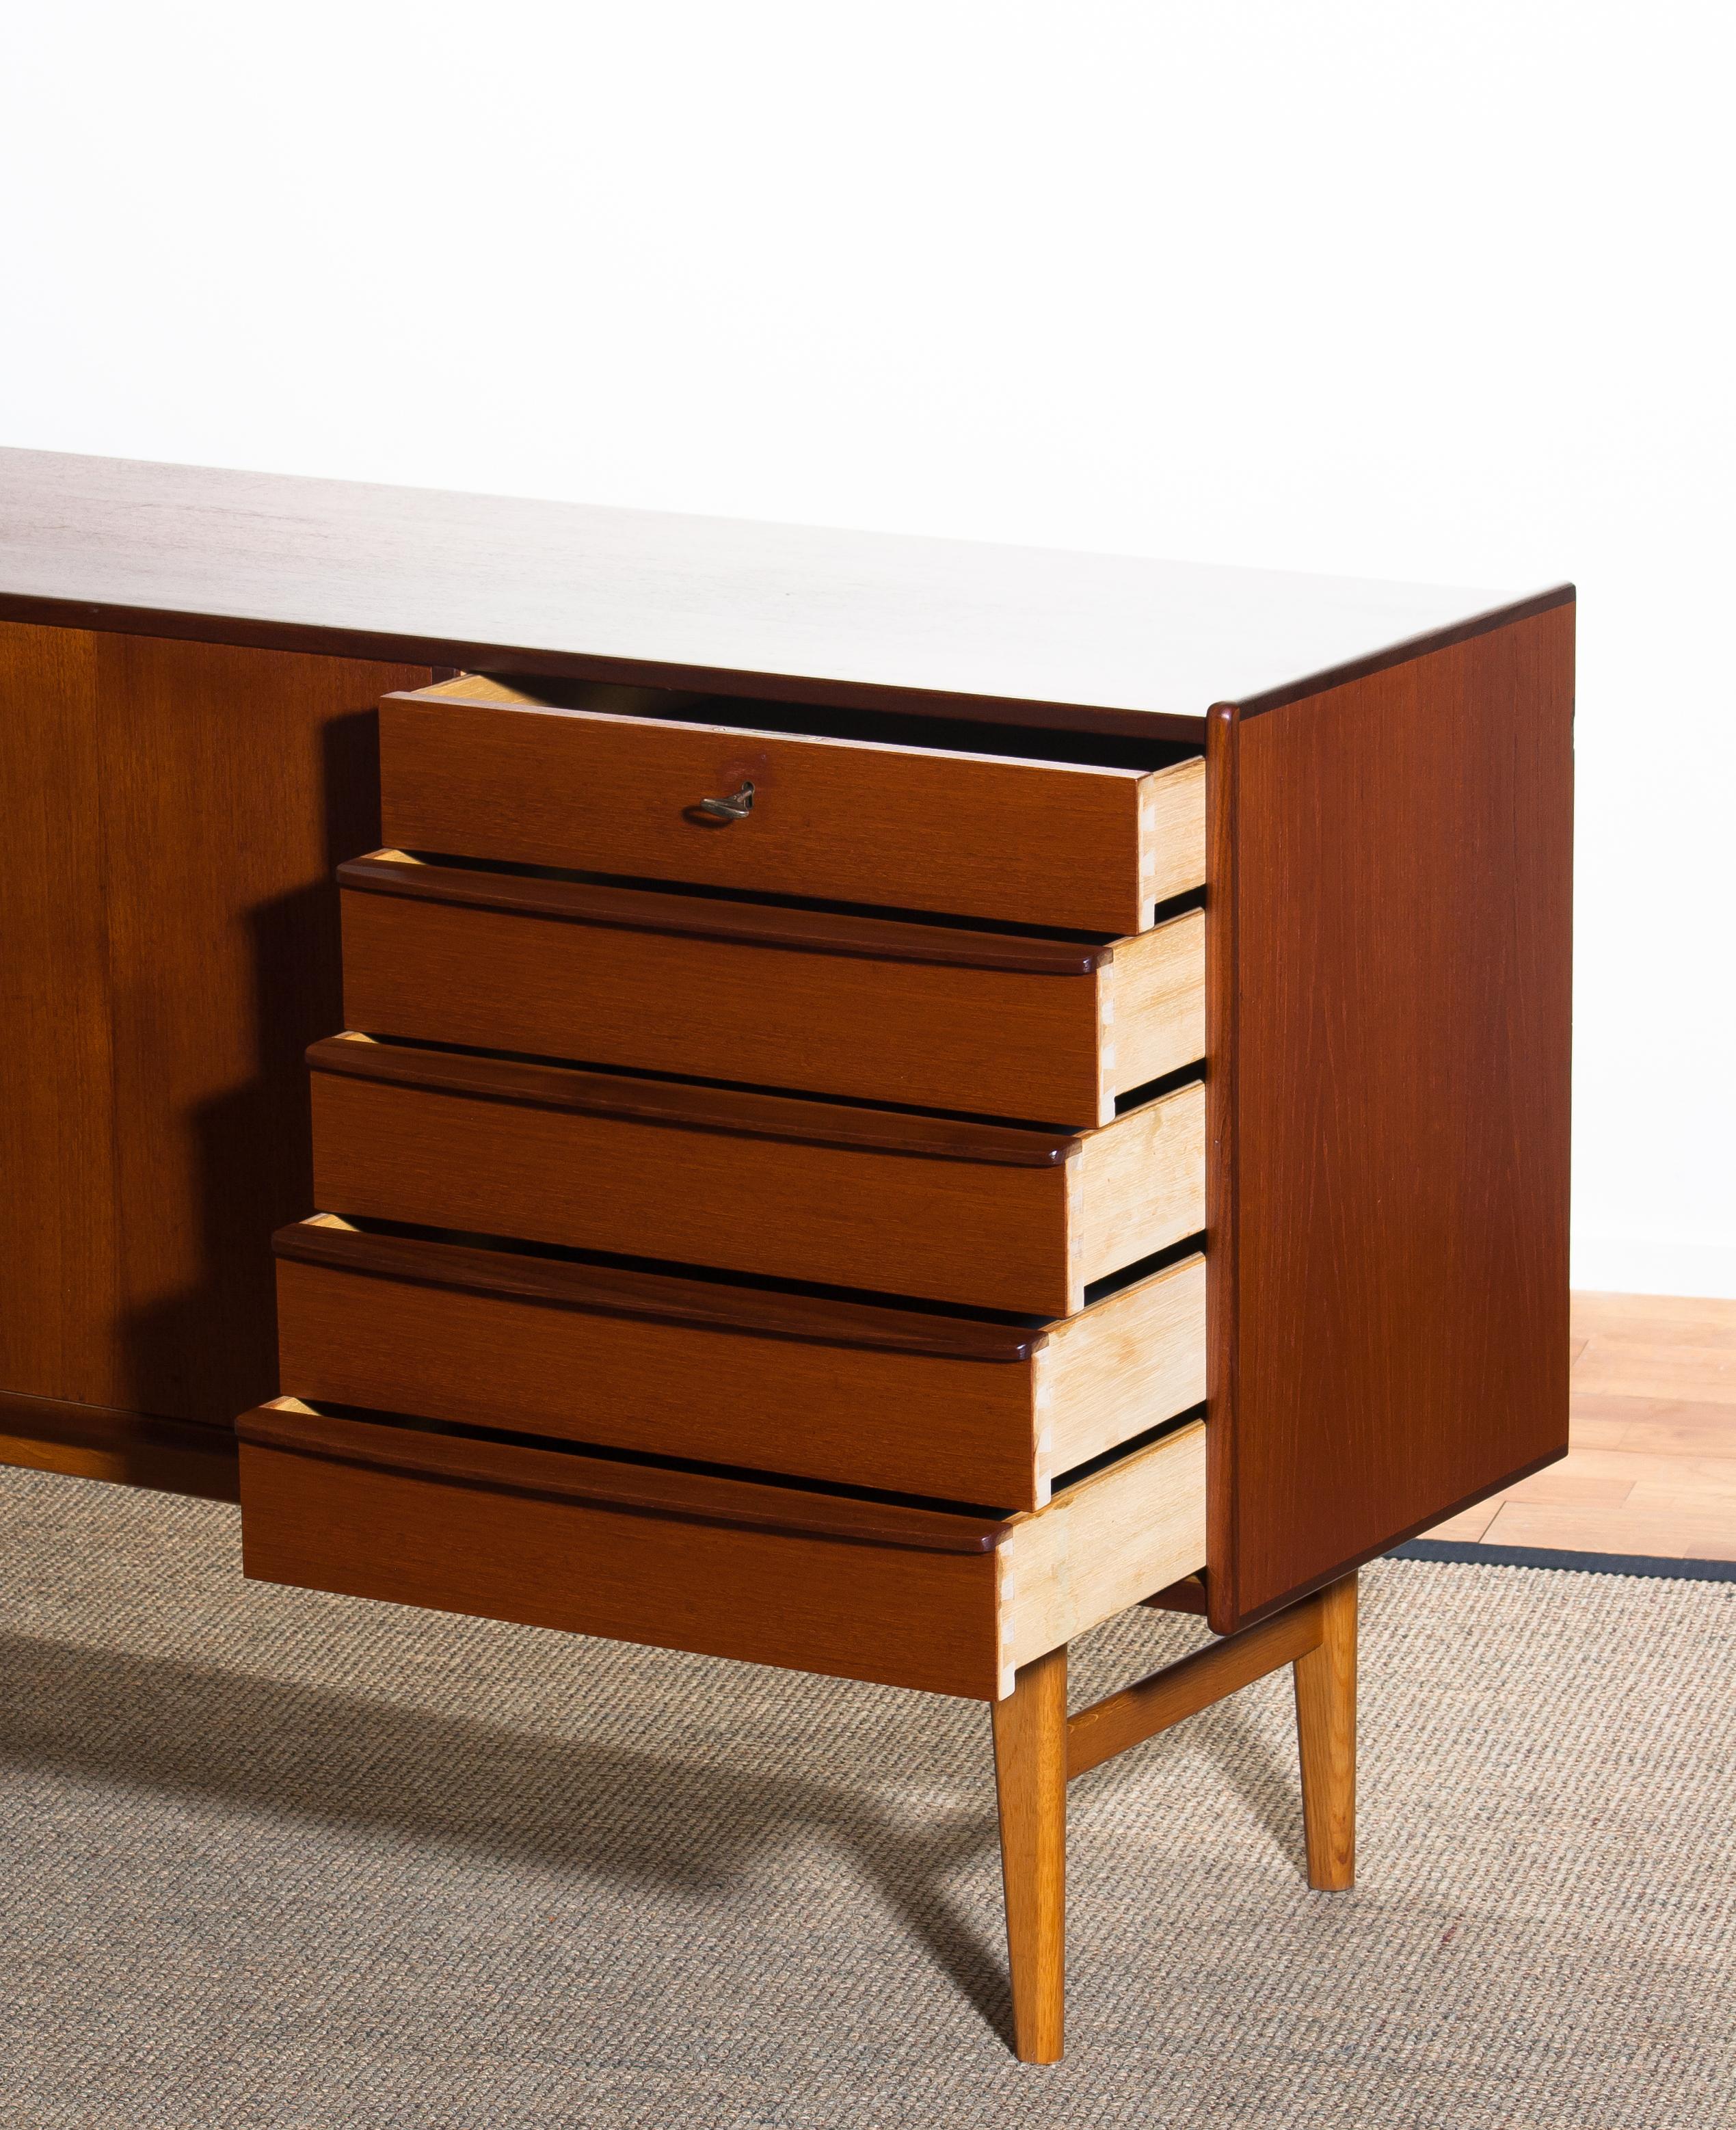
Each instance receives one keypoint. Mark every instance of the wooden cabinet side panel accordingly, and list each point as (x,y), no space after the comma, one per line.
(1392,1312)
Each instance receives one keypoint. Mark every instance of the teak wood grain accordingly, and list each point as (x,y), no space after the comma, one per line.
(322,1508)
(1389,979)
(173,814)
(977,1214)
(798,613)
(1060,844)
(902,1618)
(899,1399)
(1010,1033)
(59,1304)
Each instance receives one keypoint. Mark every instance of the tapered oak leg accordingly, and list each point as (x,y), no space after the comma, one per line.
(1326,1738)
(1031,1779)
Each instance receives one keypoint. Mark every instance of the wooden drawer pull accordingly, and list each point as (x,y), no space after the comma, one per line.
(806,930)
(692,1105)
(653,1489)
(669,1298)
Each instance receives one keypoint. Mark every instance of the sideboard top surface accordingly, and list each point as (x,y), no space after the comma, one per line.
(860,619)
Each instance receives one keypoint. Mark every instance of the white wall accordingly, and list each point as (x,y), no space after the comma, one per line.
(1432,291)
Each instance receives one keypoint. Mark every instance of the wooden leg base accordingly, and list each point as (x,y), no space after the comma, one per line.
(1038,1748)
(1031,1779)
(1326,1739)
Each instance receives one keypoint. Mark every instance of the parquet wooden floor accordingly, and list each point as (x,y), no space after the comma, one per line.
(1652,1466)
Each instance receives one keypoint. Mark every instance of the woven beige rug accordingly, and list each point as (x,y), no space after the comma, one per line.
(282,1862)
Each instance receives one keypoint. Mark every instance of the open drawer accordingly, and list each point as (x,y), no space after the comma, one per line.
(1064,830)
(996,1217)
(916,1400)
(947,1601)
(997,1023)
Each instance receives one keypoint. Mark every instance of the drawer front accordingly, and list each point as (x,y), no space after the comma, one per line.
(1006,1040)
(498,1532)
(957,1412)
(1055,843)
(976,1214)
(905,1618)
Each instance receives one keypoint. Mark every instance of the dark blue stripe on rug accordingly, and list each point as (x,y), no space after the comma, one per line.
(1537,1556)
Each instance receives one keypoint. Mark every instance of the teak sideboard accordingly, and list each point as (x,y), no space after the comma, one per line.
(858,1103)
